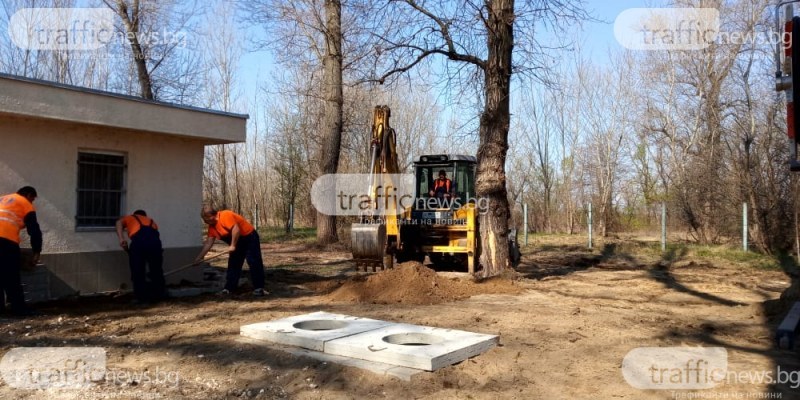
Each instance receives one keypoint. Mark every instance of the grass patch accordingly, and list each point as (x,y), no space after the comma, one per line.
(738,256)
(647,251)
(304,235)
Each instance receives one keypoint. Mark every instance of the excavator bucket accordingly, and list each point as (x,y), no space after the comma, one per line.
(368,244)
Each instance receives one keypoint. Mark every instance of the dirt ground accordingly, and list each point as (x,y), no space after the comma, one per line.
(565,325)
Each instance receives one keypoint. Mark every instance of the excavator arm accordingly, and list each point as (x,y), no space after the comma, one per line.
(376,237)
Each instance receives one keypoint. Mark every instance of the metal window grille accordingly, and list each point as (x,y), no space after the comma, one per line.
(101,186)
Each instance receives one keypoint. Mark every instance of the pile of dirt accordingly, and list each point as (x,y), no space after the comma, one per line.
(413,283)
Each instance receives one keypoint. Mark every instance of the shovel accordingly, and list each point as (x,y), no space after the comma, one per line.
(181,268)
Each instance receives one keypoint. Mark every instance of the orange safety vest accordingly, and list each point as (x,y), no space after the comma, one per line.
(438,183)
(13,209)
(133,223)
(226,219)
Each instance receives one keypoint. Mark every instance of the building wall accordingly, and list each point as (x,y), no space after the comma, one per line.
(163,177)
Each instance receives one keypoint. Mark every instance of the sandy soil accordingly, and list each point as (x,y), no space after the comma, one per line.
(565,326)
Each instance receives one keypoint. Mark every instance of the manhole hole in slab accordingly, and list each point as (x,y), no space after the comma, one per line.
(413,339)
(320,325)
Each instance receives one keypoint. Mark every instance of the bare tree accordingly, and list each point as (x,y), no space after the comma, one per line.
(334,98)
(538,134)
(222,52)
(58,61)
(568,127)
(756,141)
(415,118)
(707,133)
(289,166)
(130,13)
(313,28)
(481,50)
(156,32)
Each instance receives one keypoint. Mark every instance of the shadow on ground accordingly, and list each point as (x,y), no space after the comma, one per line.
(671,270)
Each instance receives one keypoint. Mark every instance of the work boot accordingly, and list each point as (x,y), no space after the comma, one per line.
(260,292)
(224,293)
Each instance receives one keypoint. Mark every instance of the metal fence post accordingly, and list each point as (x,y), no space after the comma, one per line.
(663,226)
(590,225)
(291,218)
(525,223)
(744,226)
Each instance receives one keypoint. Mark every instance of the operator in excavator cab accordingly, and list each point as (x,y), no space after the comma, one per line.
(442,186)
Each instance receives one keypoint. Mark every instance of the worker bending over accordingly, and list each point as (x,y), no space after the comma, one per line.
(243,243)
(145,256)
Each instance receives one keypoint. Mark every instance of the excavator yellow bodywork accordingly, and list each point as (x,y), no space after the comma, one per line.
(375,235)
(444,228)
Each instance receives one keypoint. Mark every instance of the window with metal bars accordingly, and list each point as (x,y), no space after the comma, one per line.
(101,187)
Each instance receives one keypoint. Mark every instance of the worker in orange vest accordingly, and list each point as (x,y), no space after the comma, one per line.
(17,212)
(442,186)
(243,243)
(145,256)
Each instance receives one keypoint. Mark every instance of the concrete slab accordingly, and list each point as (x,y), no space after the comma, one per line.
(412,346)
(382,369)
(310,331)
(402,373)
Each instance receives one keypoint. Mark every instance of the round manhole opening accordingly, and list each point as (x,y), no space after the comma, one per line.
(413,339)
(320,325)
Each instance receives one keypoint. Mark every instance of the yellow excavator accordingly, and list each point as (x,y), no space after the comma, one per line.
(440,224)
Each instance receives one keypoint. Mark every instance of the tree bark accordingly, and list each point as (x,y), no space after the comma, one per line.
(494,126)
(131,22)
(332,120)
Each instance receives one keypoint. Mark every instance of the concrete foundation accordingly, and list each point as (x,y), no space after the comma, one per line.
(402,373)
(310,331)
(413,346)
(70,274)
(398,345)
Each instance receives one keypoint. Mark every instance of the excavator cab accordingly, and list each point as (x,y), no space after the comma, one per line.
(442,227)
(460,170)
(445,228)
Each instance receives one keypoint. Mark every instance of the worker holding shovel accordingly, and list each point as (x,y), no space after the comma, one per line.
(243,243)
(144,251)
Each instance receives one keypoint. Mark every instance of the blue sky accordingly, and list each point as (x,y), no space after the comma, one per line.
(600,36)
(257,66)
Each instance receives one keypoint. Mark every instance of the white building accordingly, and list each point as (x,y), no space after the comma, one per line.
(93,156)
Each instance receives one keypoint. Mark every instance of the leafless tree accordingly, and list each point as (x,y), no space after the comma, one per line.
(319,34)
(756,139)
(57,61)
(479,38)
(156,33)
(711,136)
(222,52)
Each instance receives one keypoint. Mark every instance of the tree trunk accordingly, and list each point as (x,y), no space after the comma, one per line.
(131,22)
(494,125)
(145,83)
(332,120)
(236,183)
(222,167)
